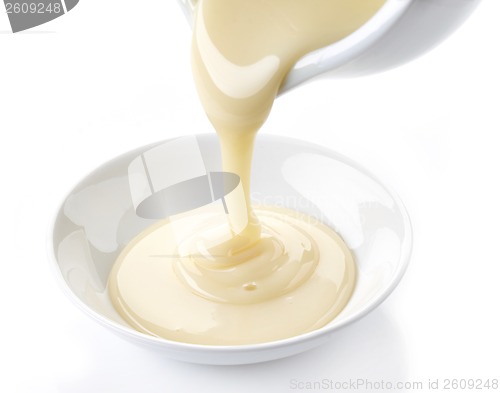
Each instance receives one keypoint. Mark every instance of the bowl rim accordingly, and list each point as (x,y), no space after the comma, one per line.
(406,249)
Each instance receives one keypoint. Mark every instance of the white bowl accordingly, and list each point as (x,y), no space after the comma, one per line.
(99,217)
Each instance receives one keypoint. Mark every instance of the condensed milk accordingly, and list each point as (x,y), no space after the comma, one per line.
(255,274)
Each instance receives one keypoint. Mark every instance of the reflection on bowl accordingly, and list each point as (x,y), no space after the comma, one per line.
(126,195)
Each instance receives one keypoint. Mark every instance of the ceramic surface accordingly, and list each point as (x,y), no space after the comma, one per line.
(401,31)
(118,200)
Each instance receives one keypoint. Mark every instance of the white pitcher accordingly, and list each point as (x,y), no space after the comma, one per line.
(400,31)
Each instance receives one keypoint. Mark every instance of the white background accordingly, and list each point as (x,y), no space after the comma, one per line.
(113,75)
